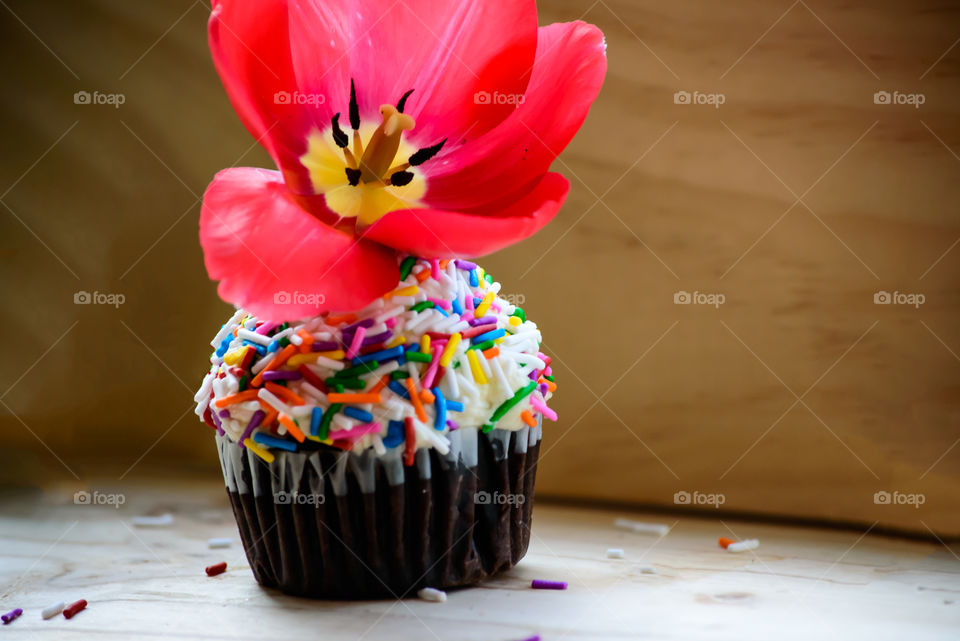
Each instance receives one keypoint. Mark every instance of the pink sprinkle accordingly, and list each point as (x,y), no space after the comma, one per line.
(439,302)
(391,322)
(543,409)
(358,337)
(468,300)
(432,370)
(356,432)
(266,327)
(435,268)
(548,371)
(541,584)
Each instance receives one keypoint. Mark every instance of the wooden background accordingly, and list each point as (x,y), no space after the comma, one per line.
(797,199)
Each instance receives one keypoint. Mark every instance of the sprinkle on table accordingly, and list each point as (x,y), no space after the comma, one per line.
(543,584)
(223,542)
(13,614)
(615,553)
(53,610)
(642,528)
(215,569)
(71,610)
(162,520)
(433,594)
(743,546)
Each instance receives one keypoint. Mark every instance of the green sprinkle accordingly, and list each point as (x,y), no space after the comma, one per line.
(488,278)
(551,378)
(353,372)
(283,342)
(324,430)
(419,307)
(349,383)
(484,346)
(283,327)
(510,403)
(418,357)
(406,266)
(487,428)
(398,375)
(242,385)
(519,313)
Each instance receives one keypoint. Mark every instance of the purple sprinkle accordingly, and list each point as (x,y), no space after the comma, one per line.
(349,329)
(535,637)
(376,338)
(465,265)
(544,389)
(325,346)
(11,615)
(452,425)
(216,420)
(254,423)
(533,375)
(486,320)
(278,375)
(541,584)
(225,413)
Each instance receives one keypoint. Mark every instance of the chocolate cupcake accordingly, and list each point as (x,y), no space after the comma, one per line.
(374,453)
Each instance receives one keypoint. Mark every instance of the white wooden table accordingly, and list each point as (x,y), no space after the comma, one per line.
(801,583)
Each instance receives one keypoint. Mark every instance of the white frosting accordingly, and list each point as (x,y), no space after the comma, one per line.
(505,373)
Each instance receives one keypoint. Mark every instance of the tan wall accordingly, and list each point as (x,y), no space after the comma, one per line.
(654,397)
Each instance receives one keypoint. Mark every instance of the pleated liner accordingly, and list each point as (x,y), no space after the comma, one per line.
(364,527)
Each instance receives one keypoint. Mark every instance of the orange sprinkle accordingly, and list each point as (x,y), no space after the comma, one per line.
(339,320)
(307,337)
(492,352)
(415,398)
(277,361)
(724,542)
(551,386)
(380,385)
(285,394)
(427,396)
(291,426)
(271,411)
(239,397)
(335,397)
(528,418)
(444,263)
(423,275)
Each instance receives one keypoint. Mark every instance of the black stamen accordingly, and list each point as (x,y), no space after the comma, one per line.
(339,136)
(401,178)
(403,101)
(426,153)
(354,107)
(353,176)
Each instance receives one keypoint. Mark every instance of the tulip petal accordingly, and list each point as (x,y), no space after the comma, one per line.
(433,233)
(567,76)
(277,261)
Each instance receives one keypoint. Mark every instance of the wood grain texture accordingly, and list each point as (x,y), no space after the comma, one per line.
(797,199)
(149,583)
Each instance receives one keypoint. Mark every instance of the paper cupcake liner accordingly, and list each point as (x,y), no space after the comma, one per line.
(336,524)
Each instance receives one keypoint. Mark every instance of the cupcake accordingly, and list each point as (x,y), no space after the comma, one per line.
(378,404)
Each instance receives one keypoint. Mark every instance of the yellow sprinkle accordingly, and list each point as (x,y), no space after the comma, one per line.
(396,340)
(484,305)
(325,441)
(475,367)
(448,351)
(515,321)
(259,451)
(234,357)
(499,340)
(337,355)
(299,359)
(404,291)
(425,344)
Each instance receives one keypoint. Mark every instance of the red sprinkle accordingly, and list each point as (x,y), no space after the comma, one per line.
(73,608)
(410,446)
(214,570)
(724,542)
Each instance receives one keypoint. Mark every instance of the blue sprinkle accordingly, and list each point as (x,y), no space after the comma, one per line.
(381,356)
(474,281)
(442,310)
(455,406)
(273,441)
(261,350)
(489,336)
(400,390)
(441,405)
(315,419)
(356,413)
(394,435)
(274,346)
(476,301)
(457,307)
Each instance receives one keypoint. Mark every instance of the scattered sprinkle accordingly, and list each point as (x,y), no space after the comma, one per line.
(615,553)
(642,528)
(11,615)
(648,570)
(53,610)
(433,594)
(218,568)
(224,542)
(542,584)
(743,546)
(164,520)
(71,610)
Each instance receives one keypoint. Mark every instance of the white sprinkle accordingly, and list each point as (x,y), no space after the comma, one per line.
(220,543)
(499,375)
(53,610)
(204,392)
(329,363)
(378,446)
(307,389)
(743,546)
(262,363)
(301,411)
(153,521)
(433,594)
(648,570)
(253,337)
(643,528)
(273,401)
(459,327)
(227,328)
(615,553)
